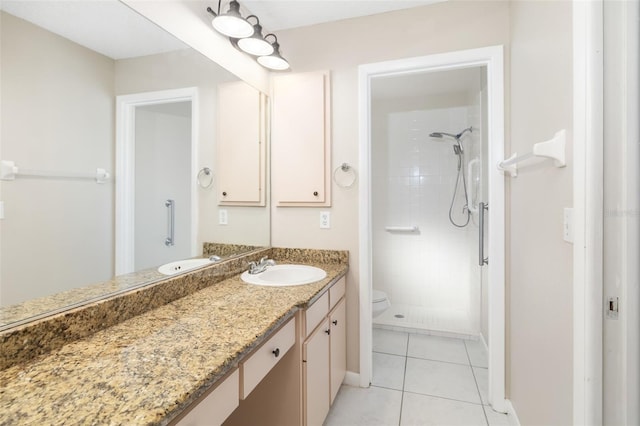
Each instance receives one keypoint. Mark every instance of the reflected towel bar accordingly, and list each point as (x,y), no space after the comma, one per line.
(9,171)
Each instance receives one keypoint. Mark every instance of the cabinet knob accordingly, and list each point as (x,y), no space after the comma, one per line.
(224,194)
(276,352)
(328,331)
(335,322)
(315,193)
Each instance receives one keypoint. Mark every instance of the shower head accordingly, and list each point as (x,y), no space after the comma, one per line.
(457,148)
(441,135)
(457,137)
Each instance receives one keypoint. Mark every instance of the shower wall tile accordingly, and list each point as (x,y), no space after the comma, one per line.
(413,182)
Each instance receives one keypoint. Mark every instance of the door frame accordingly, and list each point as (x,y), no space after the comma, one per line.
(125,169)
(588,209)
(493,59)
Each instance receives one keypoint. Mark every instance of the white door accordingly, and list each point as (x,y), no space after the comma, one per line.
(162,183)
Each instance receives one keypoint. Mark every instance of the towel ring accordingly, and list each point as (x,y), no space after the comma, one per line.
(206,182)
(348,170)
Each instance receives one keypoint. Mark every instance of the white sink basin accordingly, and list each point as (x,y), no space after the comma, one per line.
(285,275)
(182,266)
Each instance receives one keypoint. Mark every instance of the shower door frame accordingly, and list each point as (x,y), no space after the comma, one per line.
(125,169)
(493,59)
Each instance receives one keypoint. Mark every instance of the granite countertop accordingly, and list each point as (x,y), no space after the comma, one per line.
(147,369)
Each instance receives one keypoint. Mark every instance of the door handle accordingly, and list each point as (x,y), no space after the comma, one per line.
(171,222)
(481,259)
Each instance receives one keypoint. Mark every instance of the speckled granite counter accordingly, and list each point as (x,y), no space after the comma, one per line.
(47,305)
(147,369)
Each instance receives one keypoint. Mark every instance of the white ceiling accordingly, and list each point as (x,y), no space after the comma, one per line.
(112,29)
(105,26)
(282,14)
(466,80)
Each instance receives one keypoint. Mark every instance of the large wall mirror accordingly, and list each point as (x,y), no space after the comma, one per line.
(65,66)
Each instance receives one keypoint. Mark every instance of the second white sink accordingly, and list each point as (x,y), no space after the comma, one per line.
(179,266)
(285,275)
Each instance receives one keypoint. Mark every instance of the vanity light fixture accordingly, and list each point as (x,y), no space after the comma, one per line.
(275,61)
(247,37)
(256,45)
(231,24)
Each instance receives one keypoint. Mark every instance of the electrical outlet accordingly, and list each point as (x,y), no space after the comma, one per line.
(325,220)
(223,217)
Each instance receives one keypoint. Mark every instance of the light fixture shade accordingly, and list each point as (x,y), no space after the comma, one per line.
(232,24)
(275,61)
(256,45)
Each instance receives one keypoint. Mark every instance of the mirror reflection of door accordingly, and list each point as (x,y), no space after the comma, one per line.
(162,172)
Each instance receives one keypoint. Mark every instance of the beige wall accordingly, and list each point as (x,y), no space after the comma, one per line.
(537,39)
(540,267)
(340,47)
(57,114)
(188,68)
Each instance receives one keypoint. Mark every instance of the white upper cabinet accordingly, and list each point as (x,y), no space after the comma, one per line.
(301,142)
(241,145)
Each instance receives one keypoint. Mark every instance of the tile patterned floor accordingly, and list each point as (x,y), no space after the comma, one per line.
(420,380)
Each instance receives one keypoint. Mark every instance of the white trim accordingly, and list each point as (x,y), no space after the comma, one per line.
(588,211)
(492,58)
(125,173)
(513,416)
(351,379)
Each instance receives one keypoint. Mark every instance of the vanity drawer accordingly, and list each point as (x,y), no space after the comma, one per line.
(266,357)
(336,292)
(316,312)
(217,406)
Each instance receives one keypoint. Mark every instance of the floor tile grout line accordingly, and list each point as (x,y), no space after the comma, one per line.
(404,379)
(486,418)
(437,360)
(444,397)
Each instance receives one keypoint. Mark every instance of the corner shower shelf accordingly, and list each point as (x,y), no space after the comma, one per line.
(553,148)
(402,229)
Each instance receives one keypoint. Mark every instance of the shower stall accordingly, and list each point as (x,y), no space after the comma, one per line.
(428,167)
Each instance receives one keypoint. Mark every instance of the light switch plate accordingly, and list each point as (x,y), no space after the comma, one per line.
(567,225)
(223,217)
(325,220)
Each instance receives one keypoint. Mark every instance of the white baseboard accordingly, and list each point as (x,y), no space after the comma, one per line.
(511,411)
(484,342)
(351,379)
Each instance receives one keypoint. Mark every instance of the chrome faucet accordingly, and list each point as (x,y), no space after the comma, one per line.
(258,267)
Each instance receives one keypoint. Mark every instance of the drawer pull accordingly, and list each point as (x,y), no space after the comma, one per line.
(328,331)
(315,193)
(335,322)
(276,352)
(224,193)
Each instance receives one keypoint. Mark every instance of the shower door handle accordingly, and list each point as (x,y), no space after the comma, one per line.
(481,259)
(171,222)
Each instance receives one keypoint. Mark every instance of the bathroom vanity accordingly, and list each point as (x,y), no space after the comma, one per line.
(227,352)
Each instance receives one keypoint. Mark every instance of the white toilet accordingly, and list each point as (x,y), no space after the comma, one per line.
(380,302)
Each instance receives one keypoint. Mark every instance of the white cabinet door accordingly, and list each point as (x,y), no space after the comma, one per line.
(241,145)
(316,372)
(300,134)
(338,324)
